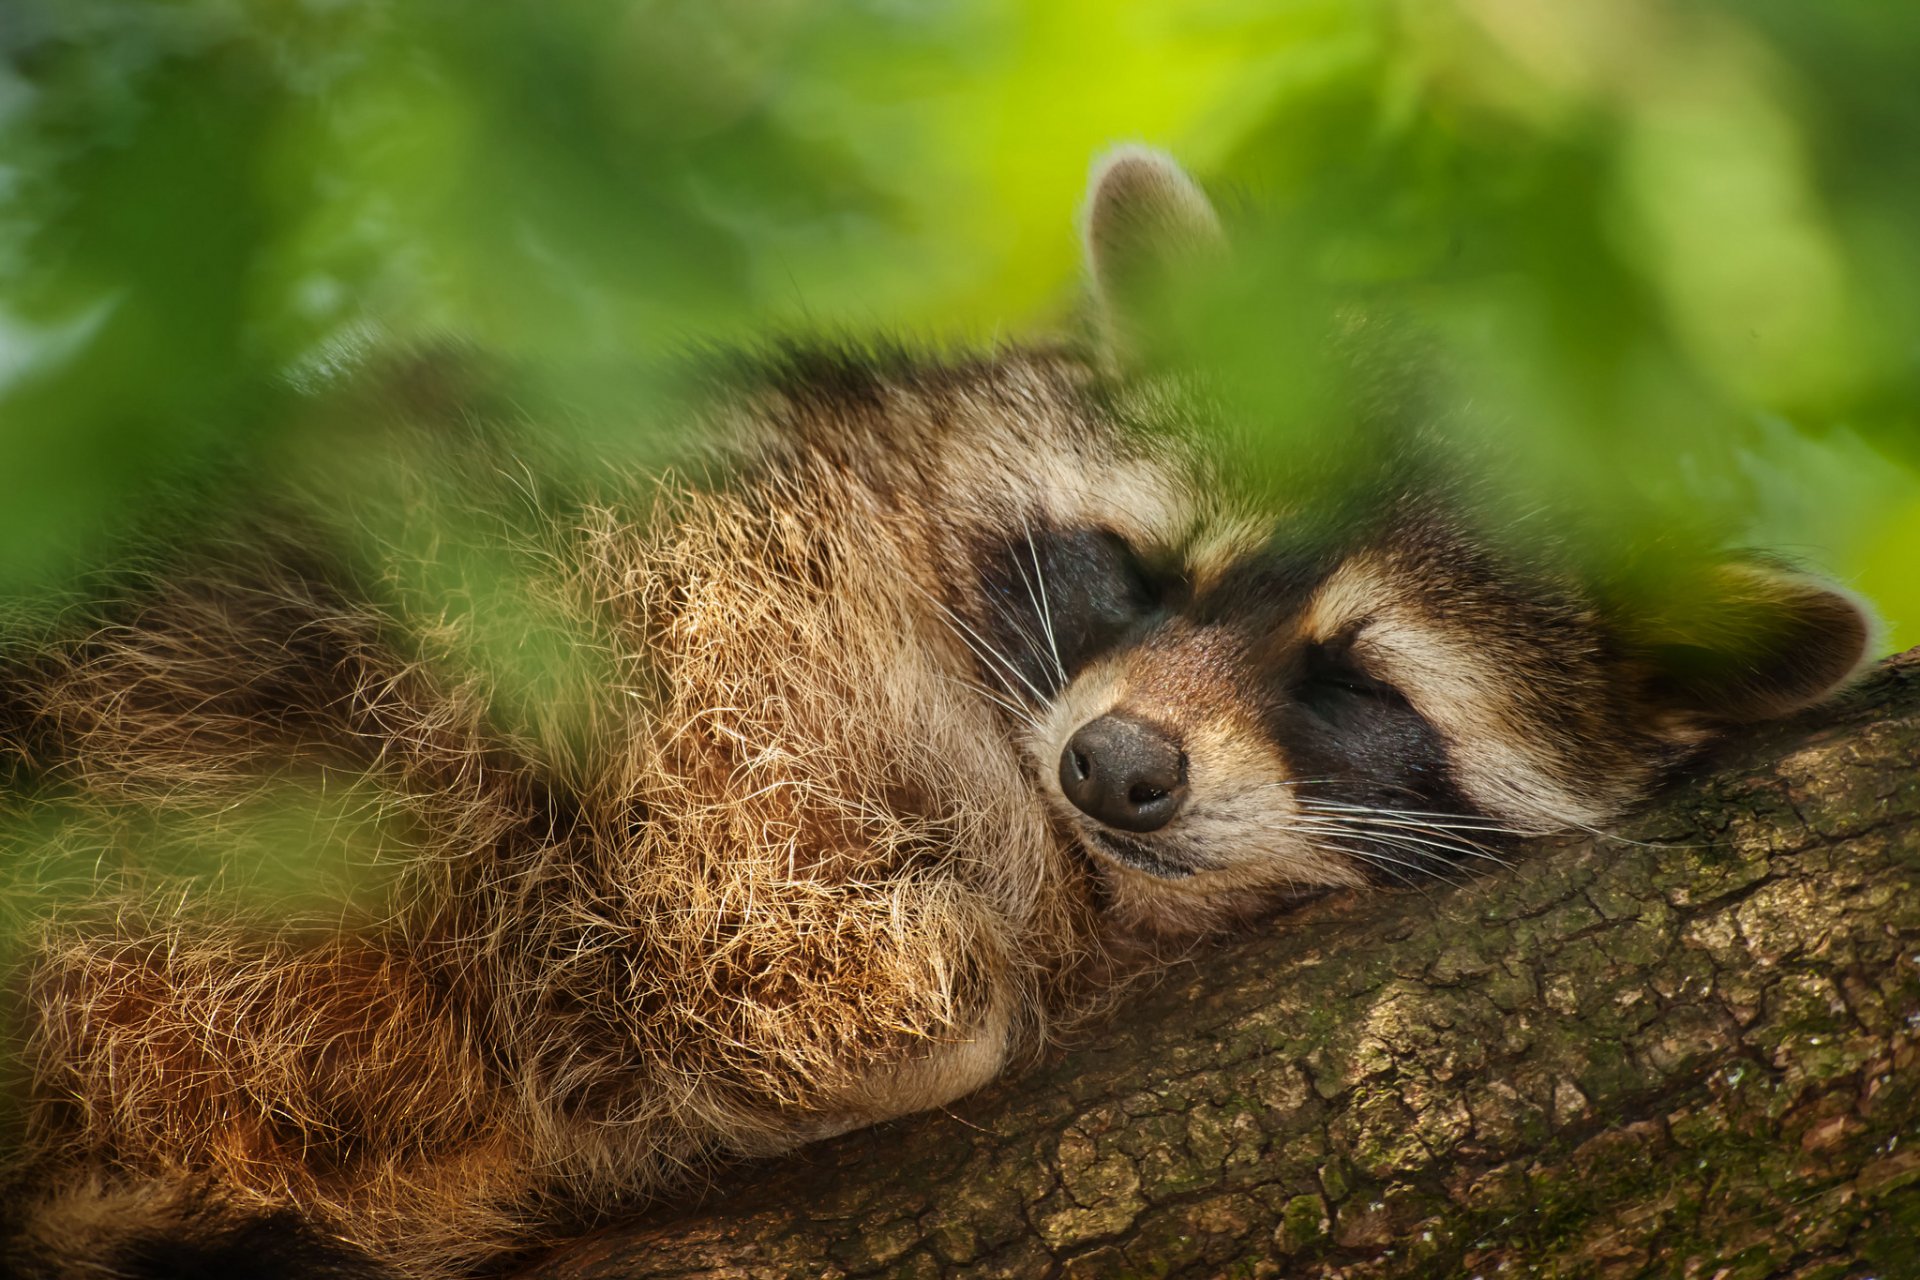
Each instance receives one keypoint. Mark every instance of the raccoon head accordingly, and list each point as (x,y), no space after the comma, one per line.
(1234,709)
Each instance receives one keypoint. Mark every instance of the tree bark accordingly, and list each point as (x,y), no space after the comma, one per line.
(1689,1050)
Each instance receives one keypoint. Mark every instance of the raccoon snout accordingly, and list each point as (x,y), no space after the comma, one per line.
(1125,773)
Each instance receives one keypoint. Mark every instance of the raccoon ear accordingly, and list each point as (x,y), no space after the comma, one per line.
(1145,224)
(1762,642)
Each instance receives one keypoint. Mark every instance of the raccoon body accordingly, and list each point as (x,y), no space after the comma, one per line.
(968,689)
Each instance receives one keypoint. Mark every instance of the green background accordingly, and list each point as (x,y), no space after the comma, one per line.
(1668,255)
(1670,250)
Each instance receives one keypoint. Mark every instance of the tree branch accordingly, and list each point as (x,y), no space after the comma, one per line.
(1692,1055)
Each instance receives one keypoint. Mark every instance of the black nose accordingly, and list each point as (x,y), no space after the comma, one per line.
(1124,772)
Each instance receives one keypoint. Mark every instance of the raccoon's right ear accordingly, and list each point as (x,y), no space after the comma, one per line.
(1146,225)
(1759,642)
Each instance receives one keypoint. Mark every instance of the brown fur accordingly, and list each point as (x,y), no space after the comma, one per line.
(787,859)
(762,901)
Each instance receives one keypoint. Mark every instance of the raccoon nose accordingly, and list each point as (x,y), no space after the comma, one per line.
(1124,772)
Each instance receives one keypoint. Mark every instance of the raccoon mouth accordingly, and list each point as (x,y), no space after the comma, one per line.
(1135,854)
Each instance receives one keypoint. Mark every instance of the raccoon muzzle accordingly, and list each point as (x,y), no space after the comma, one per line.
(1124,773)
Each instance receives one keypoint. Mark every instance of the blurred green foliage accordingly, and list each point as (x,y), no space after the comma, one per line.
(1669,249)
(1668,252)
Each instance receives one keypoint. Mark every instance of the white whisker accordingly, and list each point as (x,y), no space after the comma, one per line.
(1398,833)
(1461,821)
(983,649)
(1046,609)
(1024,715)
(1386,864)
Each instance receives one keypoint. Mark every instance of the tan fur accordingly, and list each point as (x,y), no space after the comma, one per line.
(776,916)
(787,854)
(1473,685)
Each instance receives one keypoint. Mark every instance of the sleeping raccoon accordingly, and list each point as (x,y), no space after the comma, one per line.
(966,688)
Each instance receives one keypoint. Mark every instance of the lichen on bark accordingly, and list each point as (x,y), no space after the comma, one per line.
(1691,1048)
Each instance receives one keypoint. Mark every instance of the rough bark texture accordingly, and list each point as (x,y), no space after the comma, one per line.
(1690,1051)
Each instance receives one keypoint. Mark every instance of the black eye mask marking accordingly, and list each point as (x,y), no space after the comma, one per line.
(1335,687)
(1339,721)
(1060,598)
(1360,754)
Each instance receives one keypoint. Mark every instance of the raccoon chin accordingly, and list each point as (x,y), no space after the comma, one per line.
(1137,855)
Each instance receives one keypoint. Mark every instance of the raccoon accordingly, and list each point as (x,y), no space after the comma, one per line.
(962,690)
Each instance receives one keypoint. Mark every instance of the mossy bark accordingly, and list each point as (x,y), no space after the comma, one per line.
(1692,1050)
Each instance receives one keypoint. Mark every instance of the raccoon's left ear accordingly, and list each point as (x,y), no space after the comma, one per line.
(1762,642)
(1145,225)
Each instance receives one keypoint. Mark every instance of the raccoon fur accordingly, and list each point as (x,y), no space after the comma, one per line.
(963,691)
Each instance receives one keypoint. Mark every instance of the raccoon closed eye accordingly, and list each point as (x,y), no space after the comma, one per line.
(1065,596)
(1103,588)
(1334,686)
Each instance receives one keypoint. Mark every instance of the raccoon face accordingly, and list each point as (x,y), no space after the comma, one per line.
(1220,723)
(1250,717)
(1220,709)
